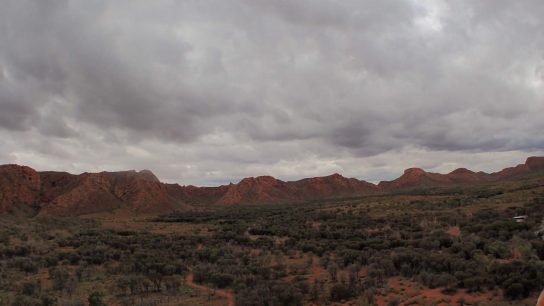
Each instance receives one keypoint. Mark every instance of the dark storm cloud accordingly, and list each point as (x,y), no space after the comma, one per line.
(213,90)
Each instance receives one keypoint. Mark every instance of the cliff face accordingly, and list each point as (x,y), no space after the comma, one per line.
(19,188)
(535,163)
(25,190)
(64,194)
(140,192)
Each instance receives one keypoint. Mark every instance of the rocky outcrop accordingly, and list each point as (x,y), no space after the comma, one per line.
(63,194)
(532,164)
(266,189)
(535,163)
(19,188)
(416,177)
(139,192)
(333,185)
(463,175)
(262,189)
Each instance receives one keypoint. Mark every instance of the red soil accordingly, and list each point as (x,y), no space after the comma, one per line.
(454,231)
(540,299)
(317,273)
(436,295)
(409,292)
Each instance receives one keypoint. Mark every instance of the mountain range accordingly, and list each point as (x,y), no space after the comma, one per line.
(24,190)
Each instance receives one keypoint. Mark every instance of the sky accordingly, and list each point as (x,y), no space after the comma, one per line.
(207,92)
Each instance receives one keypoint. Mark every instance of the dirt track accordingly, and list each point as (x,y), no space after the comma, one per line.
(228,295)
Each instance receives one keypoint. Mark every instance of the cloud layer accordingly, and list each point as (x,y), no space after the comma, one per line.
(208,91)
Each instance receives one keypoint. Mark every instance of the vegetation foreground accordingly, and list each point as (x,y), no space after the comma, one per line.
(449,246)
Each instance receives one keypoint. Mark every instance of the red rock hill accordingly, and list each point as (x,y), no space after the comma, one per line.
(139,192)
(24,190)
(415,177)
(19,188)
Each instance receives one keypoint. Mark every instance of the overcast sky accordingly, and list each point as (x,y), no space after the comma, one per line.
(207,92)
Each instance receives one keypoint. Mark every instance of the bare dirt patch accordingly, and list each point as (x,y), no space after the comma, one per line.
(454,231)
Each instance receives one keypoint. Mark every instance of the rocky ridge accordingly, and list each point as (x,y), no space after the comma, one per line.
(24,190)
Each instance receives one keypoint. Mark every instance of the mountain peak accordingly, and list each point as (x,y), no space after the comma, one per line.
(459,171)
(258,180)
(148,176)
(414,172)
(336,176)
(417,177)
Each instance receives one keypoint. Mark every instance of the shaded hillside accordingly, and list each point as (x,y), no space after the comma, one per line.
(19,188)
(268,190)
(139,192)
(63,194)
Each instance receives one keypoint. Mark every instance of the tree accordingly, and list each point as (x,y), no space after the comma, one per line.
(26,300)
(222,280)
(123,284)
(394,302)
(172,284)
(514,291)
(314,292)
(340,292)
(333,270)
(47,300)
(71,286)
(96,299)
(353,270)
(60,277)
(156,277)
(31,288)
(498,249)
(461,301)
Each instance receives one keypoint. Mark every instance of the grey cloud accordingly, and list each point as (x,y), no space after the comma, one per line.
(223,89)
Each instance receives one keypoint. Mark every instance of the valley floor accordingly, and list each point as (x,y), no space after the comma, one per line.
(456,246)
